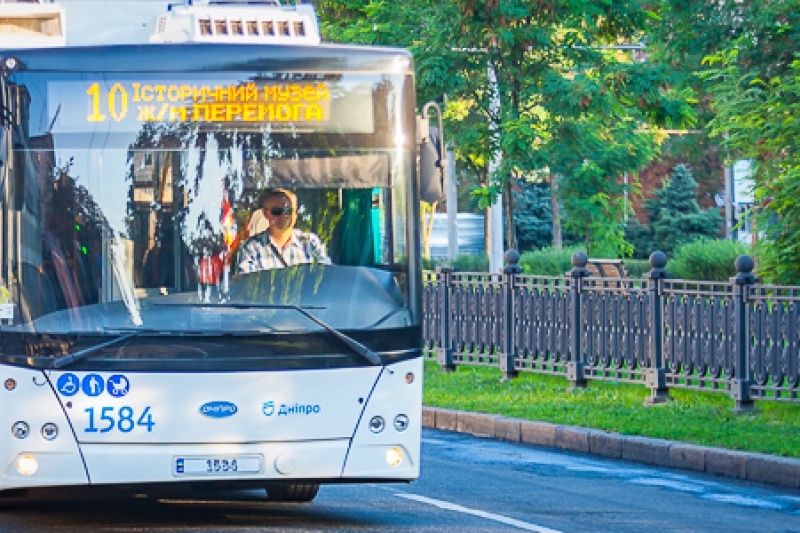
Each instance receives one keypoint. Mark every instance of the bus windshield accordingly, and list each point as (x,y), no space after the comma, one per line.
(148,215)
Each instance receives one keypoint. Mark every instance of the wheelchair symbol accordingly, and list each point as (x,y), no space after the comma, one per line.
(68,385)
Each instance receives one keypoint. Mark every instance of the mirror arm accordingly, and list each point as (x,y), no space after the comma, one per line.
(442,162)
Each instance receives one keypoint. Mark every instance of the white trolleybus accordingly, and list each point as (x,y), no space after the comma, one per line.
(150,334)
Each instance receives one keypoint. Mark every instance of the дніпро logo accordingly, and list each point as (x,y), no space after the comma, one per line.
(218,409)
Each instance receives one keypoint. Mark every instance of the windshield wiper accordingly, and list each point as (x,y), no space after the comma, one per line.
(349,341)
(126,333)
(64,360)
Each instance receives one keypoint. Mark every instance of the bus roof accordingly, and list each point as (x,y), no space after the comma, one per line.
(114,36)
(201,57)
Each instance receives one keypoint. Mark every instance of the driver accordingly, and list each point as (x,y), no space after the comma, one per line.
(281,245)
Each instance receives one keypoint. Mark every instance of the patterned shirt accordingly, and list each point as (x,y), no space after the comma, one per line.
(302,248)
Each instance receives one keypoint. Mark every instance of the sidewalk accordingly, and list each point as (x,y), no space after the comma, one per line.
(756,467)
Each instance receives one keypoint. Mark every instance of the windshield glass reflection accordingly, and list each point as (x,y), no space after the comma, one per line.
(177,228)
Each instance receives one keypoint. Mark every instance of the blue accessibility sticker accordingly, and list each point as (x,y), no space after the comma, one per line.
(118,385)
(93,385)
(68,384)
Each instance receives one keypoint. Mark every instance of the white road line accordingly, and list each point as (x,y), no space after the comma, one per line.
(474,512)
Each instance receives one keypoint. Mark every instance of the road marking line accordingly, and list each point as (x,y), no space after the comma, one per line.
(482,514)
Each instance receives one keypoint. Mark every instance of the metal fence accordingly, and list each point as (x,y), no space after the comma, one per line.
(739,337)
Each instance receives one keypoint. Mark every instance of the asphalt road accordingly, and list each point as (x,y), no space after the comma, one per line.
(467,484)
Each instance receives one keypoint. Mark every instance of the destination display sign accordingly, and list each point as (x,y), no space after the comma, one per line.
(296,105)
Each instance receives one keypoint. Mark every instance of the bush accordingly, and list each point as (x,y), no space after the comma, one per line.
(637,267)
(428,263)
(548,261)
(706,260)
(469,263)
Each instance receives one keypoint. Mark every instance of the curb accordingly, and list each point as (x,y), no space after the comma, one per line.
(761,468)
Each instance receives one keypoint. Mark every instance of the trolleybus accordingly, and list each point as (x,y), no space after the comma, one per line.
(136,151)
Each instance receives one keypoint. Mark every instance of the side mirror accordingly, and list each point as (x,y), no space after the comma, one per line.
(432,158)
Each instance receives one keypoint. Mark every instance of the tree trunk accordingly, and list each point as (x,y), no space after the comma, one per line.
(487,232)
(508,209)
(426,212)
(555,210)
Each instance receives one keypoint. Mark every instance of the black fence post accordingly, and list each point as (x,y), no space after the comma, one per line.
(577,358)
(741,381)
(444,351)
(655,376)
(509,353)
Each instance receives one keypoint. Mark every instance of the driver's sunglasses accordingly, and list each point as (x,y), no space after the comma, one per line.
(278,211)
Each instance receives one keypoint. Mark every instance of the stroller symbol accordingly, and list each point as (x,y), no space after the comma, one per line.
(118,385)
(68,385)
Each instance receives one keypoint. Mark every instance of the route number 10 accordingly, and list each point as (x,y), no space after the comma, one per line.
(116,103)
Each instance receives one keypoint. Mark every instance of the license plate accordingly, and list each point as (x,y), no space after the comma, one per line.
(218,465)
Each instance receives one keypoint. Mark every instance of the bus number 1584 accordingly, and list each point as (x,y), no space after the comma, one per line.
(123,420)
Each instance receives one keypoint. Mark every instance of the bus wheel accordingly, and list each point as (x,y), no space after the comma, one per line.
(292,493)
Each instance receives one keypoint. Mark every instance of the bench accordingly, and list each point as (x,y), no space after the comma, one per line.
(607,268)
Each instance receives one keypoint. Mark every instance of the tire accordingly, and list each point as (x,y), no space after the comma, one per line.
(297,493)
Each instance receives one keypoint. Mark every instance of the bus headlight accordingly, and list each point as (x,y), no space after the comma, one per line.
(394,457)
(20,430)
(27,465)
(11,64)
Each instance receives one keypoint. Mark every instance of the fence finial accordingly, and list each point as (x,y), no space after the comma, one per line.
(658,260)
(744,266)
(511,258)
(579,261)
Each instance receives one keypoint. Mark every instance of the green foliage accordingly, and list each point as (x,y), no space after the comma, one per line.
(675,215)
(706,260)
(469,263)
(533,88)
(533,217)
(637,267)
(761,123)
(596,215)
(641,238)
(428,263)
(462,263)
(548,261)
(742,57)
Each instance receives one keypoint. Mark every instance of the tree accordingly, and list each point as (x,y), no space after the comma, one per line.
(755,83)
(533,218)
(675,215)
(640,236)
(565,103)
(742,57)
(535,88)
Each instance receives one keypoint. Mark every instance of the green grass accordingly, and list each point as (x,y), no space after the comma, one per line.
(704,418)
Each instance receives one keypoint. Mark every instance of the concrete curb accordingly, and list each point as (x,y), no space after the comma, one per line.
(756,467)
